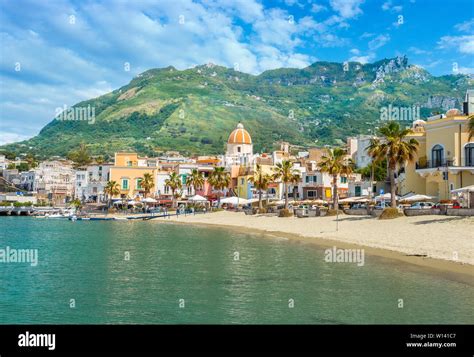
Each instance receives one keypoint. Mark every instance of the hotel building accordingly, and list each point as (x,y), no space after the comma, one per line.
(445,159)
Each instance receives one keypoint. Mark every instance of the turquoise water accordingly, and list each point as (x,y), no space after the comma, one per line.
(85,261)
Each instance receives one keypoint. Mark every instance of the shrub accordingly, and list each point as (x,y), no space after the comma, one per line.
(390,213)
(285,213)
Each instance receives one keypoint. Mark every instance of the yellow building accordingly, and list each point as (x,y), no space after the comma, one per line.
(245,189)
(128,171)
(445,159)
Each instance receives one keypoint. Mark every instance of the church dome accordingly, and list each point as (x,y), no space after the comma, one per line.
(239,136)
(453,112)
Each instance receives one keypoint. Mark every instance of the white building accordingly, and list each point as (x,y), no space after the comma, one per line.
(90,183)
(3,162)
(357,148)
(51,180)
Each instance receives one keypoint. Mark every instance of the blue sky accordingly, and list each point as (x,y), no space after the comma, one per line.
(55,53)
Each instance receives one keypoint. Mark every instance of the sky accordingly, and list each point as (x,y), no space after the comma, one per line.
(56,53)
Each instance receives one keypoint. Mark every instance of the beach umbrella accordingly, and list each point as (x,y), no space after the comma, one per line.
(234,201)
(417,198)
(131,202)
(197,198)
(464,189)
(349,200)
(149,200)
(386,197)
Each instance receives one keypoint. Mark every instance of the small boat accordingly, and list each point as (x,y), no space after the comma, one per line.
(55,215)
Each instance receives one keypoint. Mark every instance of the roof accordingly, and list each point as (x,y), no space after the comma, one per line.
(239,136)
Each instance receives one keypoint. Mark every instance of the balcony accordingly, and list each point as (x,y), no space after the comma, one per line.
(429,164)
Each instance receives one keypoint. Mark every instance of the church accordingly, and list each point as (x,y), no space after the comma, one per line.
(239,148)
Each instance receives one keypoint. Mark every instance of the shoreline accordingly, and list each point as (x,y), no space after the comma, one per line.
(462,271)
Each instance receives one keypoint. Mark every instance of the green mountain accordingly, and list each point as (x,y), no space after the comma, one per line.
(194,110)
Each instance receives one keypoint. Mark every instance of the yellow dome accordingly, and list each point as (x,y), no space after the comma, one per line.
(239,136)
(453,112)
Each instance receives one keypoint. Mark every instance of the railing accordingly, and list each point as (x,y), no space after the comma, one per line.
(432,164)
(443,163)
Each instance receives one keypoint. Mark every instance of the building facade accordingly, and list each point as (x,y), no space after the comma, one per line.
(445,159)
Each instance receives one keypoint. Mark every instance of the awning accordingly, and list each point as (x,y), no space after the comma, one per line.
(464,189)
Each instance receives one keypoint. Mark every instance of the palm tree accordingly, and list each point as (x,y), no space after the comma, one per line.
(80,157)
(285,173)
(195,179)
(111,189)
(174,183)
(397,149)
(336,163)
(374,152)
(261,181)
(219,179)
(471,127)
(147,183)
(295,179)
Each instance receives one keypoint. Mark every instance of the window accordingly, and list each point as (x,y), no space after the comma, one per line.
(129,163)
(469,154)
(307,179)
(139,183)
(242,181)
(238,149)
(437,154)
(311,194)
(124,184)
(343,179)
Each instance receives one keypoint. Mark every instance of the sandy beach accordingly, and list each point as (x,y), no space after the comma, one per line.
(449,239)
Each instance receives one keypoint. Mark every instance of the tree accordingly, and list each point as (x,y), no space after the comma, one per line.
(111,189)
(295,180)
(397,149)
(147,183)
(174,183)
(376,171)
(337,164)
(374,152)
(219,179)
(261,181)
(195,179)
(285,173)
(80,157)
(32,161)
(77,204)
(99,160)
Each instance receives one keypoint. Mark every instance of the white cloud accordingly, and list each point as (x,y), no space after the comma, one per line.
(8,137)
(355,51)
(463,44)
(388,6)
(378,41)
(363,59)
(347,8)
(318,8)
(465,26)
